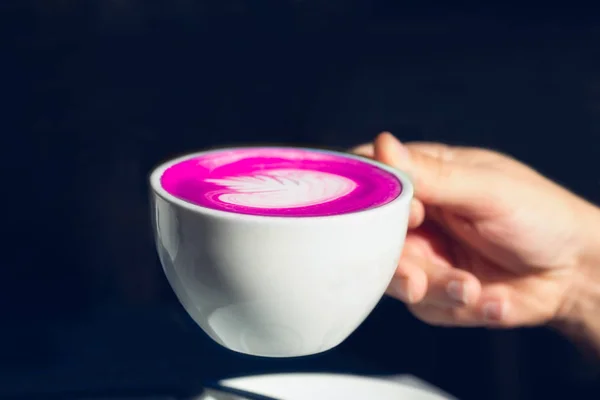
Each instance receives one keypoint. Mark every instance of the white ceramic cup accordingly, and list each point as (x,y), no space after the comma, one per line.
(278,286)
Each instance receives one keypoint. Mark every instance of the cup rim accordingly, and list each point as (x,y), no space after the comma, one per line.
(405,195)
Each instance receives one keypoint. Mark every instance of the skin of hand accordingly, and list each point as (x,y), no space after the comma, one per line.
(491,242)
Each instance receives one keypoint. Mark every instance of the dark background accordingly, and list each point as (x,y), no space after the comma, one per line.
(97,92)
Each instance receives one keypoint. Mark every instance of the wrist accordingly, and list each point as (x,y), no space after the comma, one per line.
(579,316)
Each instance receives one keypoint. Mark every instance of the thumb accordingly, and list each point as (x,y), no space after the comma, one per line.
(438,181)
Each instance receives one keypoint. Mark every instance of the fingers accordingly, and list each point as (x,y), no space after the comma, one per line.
(438,292)
(417,214)
(490,315)
(428,278)
(409,284)
(447,296)
(438,181)
(420,281)
(493,313)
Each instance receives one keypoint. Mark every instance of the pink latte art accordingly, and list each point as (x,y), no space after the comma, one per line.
(280,182)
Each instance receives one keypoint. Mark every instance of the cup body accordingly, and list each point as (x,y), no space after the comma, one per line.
(278,286)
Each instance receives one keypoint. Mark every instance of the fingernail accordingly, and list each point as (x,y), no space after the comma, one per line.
(456,291)
(401,289)
(492,311)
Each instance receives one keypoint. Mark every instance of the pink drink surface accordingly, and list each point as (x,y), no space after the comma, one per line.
(280,182)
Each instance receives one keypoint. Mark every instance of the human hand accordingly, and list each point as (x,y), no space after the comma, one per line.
(491,242)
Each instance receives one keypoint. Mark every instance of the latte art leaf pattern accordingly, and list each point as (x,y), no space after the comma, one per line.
(283,188)
(280,182)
